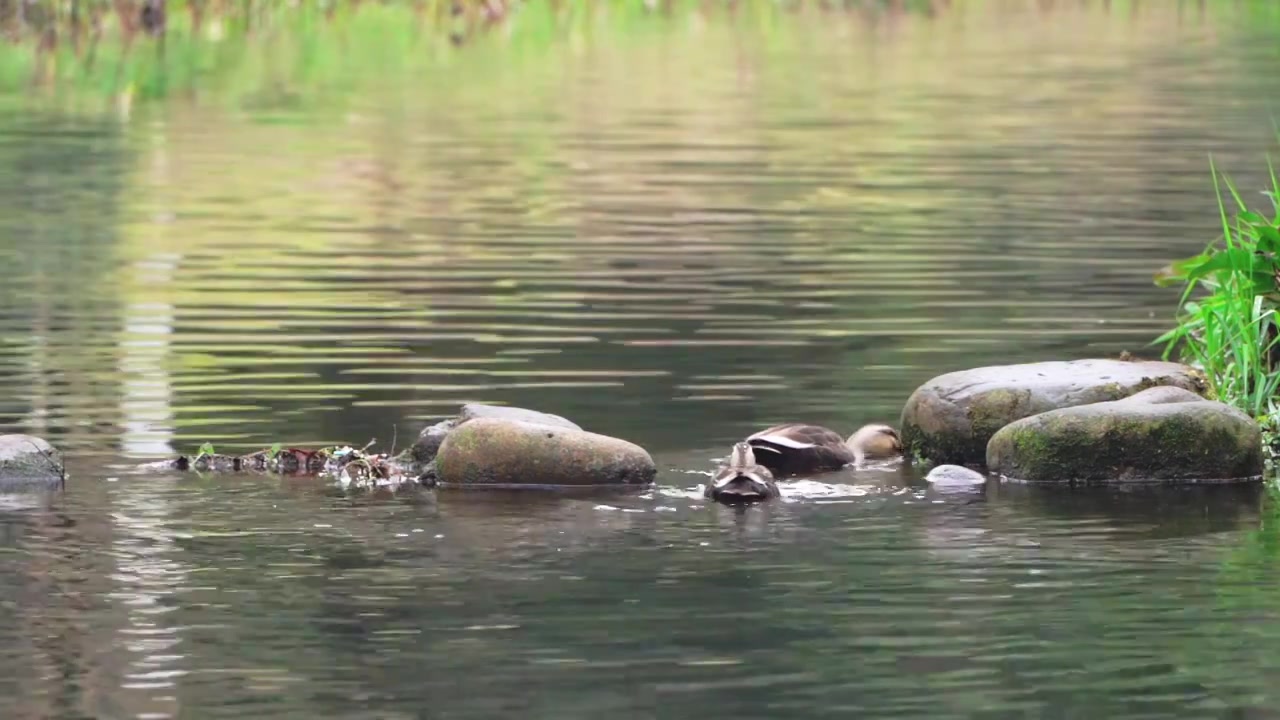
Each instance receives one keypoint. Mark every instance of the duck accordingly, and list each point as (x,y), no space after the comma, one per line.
(741,479)
(800,448)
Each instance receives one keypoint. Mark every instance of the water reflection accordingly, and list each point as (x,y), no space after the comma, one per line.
(677,240)
(148,578)
(145,358)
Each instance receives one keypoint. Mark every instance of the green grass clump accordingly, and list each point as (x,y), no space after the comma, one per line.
(1226,320)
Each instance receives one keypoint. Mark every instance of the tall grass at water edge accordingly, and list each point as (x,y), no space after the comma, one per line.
(1226,323)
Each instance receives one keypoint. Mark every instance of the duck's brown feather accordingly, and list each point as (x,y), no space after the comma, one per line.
(800,448)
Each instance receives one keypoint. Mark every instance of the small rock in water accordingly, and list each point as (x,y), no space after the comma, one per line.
(428,444)
(29,462)
(955,475)
(473,411)
(509,453)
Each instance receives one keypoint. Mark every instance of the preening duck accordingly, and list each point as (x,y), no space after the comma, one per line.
(799,449)
(741,479)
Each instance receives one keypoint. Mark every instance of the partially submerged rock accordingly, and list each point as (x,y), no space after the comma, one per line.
(952,480)
(429,440)
(950,418)
(954,475)
(508,447)
(26,461)
(1163,434)
(496,453)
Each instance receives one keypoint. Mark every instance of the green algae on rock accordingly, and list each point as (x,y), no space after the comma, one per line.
(950,418)
(1162,434)
(424,449)
(501,453)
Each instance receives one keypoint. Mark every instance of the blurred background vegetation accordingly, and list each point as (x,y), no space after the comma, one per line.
(153,48)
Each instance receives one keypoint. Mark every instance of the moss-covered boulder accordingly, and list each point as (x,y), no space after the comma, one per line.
(1163,434)
(498,453)
(429,440)
(28,461)
(950,418)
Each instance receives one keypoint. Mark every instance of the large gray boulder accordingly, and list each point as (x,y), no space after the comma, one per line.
(428,443)
(950,418)
(28,461)
(497,453)
(1163,434)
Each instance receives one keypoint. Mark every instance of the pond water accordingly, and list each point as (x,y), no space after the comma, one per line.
(674,238)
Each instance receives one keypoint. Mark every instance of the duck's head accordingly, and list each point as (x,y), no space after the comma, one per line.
(875,441)
(742,456)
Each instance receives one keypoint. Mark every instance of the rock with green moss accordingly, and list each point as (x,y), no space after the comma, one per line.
(950,418)
(28,461)
(424,450)
(501,453)
(1163,434)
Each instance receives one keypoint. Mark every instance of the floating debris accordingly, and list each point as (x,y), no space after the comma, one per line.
(349,466)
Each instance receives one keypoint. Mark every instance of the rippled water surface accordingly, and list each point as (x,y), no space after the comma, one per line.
(676,239)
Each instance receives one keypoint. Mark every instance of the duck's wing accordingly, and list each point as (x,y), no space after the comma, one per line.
(723,475)
(795,436)
(799,448)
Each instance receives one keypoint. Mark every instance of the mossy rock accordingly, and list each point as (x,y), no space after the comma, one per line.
(497,453)
(424,449)
(950,418)
(29,462)
(1163,434)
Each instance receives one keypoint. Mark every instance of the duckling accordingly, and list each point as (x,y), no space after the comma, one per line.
(799,449)
(741,479)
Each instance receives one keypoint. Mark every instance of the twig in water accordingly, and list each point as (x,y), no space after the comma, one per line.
(62,469)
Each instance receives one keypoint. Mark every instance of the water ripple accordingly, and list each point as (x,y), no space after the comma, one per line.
(676,241)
